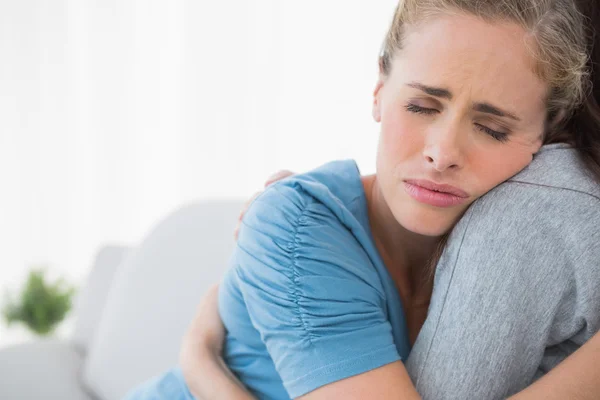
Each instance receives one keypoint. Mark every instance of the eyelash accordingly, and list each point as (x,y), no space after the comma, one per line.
(499,136)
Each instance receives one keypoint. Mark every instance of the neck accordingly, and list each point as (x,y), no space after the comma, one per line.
(406,254)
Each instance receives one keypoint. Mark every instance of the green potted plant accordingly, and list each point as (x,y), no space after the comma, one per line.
(42,305)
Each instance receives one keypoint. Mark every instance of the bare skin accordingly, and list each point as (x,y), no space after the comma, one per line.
(405,269)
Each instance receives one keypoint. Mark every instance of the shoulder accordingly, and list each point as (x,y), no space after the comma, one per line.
(327,196)
(559,167)
(308,226)
(553,203)
(537,232)
(530,224)
(552,206)
(309,283)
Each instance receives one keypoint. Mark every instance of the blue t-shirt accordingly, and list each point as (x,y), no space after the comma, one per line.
(307,300)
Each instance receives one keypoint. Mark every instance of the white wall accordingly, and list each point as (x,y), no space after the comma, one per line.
(114,112)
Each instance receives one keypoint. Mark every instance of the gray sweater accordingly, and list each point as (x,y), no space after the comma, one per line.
(518,287)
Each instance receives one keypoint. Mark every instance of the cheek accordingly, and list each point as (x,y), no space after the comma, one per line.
(496,166)
(401,136)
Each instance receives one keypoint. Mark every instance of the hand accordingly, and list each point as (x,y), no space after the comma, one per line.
(202,341)
(270,180)
(203,368)
(206,331)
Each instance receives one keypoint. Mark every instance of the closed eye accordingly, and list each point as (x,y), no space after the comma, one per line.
(420,110)
(499,136)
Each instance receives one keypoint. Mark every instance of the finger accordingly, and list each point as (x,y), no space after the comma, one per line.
(279,175)
(247,205)
(215,332)
(243,212)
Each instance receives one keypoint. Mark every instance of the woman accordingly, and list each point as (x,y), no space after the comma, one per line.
(330,281)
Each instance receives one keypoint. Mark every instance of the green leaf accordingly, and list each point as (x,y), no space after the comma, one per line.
(41,304)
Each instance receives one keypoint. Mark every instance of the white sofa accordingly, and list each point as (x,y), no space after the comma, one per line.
(131,313)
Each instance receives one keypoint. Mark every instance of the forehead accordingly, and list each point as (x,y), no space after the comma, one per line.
(471,57)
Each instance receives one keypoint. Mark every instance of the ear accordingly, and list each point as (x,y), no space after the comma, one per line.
(377,99)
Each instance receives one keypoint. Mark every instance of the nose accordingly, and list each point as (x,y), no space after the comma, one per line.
(443,149)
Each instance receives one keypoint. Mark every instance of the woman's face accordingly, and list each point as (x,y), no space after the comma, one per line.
(461,106)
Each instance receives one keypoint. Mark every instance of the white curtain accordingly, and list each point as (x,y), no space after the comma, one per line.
(115,112)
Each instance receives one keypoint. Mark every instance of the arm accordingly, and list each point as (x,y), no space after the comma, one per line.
(388,382)
(313,296)
(208,377)
(576,378)
(203,369)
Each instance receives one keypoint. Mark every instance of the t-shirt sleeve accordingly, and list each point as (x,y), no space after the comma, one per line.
(518,279)
(311,291)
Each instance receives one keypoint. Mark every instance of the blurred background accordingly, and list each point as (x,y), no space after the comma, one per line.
(113,113)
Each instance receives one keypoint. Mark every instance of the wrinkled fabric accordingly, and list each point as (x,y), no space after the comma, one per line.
(308,300)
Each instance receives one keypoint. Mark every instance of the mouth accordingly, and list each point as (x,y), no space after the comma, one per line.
(438,195)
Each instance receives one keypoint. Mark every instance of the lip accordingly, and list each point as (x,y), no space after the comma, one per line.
(438,195)
(438,187)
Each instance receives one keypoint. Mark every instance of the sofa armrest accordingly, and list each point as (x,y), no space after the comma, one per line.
(42,369)
(93,294)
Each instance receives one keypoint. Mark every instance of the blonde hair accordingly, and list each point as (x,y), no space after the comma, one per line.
(556,28)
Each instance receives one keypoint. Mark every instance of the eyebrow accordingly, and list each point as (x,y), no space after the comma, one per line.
(490,109)
(432,91)
(446,94)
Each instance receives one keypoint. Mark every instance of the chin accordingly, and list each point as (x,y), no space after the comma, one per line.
(426,223)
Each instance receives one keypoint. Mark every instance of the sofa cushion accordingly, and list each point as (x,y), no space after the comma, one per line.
(44,369)
(92,297)
(155,294)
